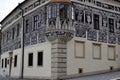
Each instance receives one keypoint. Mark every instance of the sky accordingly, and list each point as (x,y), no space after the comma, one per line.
(6,6)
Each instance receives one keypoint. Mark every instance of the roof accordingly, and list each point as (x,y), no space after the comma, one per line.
(13,11)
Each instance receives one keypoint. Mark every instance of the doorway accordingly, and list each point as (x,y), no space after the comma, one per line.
(10,62)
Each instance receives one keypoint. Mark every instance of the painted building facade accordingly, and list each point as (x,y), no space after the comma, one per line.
(61,38)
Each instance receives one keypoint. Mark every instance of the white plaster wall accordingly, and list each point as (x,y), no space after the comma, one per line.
(15,71)
(88,63)
(36,71)
(3,56)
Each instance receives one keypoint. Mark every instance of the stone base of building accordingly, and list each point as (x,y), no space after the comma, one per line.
(68,76)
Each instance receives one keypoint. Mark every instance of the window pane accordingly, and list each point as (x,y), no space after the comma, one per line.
(40,58)
(36,18)
(13,33)
(18,29)
(111,25)
(2,62)
(27,26)
(54,11)
(96,21)
(63,11)
(5,62)
(49,11)
(30,59)
(15,61)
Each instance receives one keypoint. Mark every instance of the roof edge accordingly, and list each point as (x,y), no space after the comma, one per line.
(19,4)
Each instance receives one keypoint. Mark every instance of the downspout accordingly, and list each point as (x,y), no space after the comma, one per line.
(22,42)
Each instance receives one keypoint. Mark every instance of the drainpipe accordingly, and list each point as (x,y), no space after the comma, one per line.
(22,41)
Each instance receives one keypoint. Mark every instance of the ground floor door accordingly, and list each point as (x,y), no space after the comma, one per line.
(10,64)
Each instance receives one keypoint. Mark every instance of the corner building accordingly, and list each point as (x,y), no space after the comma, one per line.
(59,39)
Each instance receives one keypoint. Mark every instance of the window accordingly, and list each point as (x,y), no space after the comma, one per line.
(36,18)
(52,11)
(7,36)
(2,62)
(111,25)
(96,21)
(63,11)
(5,62)
(73,13)
(15,61)
(13,33)
(27,26)
(18,30)
(30,59)
(40,58)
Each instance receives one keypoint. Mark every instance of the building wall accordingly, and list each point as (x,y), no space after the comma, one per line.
(34,71)
(15,71)
(95,50)
(88,63)
(38,71)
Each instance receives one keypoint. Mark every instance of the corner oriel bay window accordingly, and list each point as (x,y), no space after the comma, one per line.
(96,21)
(111,25)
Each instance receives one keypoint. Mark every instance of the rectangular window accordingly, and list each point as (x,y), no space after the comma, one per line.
(13,33)
(111,25)
(7,36)
(27,26)
(49,11)
(15,61)
(30,59)
(73,16)
(52,11)
(63,11)
(18,30)
(36,18)
(2,63)
(5,62)
(96,21)
(40,58)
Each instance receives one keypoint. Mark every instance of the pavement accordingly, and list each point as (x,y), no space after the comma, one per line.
(105,76)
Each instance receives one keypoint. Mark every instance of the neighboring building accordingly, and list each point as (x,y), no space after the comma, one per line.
(62,38)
